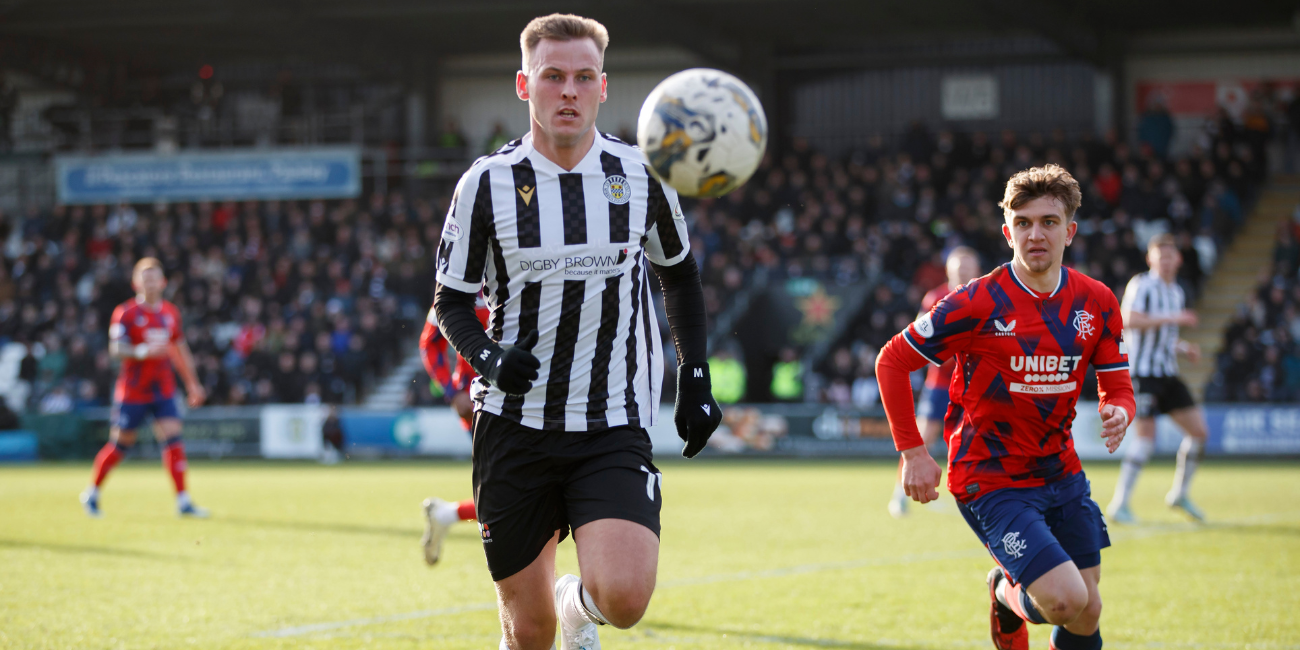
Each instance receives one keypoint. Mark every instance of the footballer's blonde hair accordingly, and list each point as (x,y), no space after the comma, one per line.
(145,264)
(562,27)
(1162,239)
(1036,182)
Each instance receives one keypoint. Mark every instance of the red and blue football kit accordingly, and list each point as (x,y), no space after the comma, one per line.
(1021,360)
(436,353)
(145,380)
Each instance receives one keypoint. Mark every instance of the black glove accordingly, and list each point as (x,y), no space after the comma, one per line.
(510,369)
(697,415)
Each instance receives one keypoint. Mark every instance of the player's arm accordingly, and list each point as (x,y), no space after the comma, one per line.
(1136,313)
(183,360)
(696,414)
(1114,385)
(933,338)
(462,254)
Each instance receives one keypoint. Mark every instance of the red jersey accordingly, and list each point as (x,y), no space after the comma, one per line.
(437,353)
(145,380)
(1023,357)
(937,376)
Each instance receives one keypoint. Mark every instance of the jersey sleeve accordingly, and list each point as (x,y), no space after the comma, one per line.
(1110,354)
(116,326)
(1135,298)
(667,241)
(463,251)
(433,351)
(947,328)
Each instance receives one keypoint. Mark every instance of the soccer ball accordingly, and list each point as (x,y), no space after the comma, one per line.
(703,132)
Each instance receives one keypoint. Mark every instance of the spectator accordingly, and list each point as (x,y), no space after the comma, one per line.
(56,401)
(1156,127)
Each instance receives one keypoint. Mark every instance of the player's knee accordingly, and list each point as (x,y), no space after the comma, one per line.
(124,438)
(1092,612)
(1066,605)
(535,631)
(622,605)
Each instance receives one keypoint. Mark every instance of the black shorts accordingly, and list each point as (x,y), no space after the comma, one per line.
(528,484)
(1159,395)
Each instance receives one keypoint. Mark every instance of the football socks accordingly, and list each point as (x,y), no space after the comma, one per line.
(108,457)
(1139,452)
(1063,639)
(1189,456)
(173,458)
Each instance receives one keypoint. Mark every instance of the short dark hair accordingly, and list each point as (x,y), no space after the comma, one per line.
(1037,182)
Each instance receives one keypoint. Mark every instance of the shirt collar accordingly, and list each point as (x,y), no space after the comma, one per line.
(1016,278)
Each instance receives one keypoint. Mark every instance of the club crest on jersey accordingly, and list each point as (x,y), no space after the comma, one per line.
(1083,324)
(677,212)
(451,231)
(617,190)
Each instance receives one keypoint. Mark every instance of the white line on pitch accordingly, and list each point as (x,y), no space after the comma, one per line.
(1129,534)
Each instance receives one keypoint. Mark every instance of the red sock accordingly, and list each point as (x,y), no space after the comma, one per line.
(107,458)
(174,462)
(465,510)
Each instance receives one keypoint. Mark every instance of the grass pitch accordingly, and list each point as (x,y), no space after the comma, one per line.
(759,555)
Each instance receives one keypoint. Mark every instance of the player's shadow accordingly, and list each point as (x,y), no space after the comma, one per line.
(92,550)
(760,637)
(324,527)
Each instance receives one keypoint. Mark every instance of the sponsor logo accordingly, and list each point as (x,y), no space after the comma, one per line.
(1045,363)
(972,488)
(1083,324)
(1005,330)
(699,372)
(650,479)
(1013,545)
(677,212)
(617,190)
(451,231)
(924,326)
(1043,389)
(707,410)
(579,265)
(526,193)
(485,533)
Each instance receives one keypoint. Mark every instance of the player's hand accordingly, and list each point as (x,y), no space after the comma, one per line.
(1186,318)
(1193,351)
(696,414)
(195,395)
(1114,422)
(921,475)
(514,369)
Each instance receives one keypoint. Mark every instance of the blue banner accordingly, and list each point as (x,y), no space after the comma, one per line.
(298,174)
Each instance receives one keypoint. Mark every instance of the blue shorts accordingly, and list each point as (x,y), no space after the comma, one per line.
(1029,531)
(934,403)
(129,417)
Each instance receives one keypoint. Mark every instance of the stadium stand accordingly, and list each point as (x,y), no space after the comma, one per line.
(316,300)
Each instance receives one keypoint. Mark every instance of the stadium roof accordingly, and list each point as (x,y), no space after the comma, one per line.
(170,35)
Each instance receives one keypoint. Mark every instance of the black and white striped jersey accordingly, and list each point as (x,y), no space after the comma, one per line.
(566,253)
(1153,351)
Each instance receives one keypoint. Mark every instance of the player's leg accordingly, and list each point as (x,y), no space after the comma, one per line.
(125,418)
(527,603)
(1084,632)
(1192,421)
(167,429)
(439,517)
(619,560)
(1137,453)
(612,500)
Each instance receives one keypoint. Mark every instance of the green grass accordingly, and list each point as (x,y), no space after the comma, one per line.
(761,555)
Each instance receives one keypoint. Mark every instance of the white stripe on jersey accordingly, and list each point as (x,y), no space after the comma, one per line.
(1153,352)
(567,253)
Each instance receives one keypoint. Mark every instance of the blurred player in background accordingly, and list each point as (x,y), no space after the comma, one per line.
(440,515)
(1154,307)
(1023,336)
(963,265)
(145,333)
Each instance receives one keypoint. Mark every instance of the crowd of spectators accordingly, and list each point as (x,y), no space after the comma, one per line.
(281,301)
(1260,361)
(889,214)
